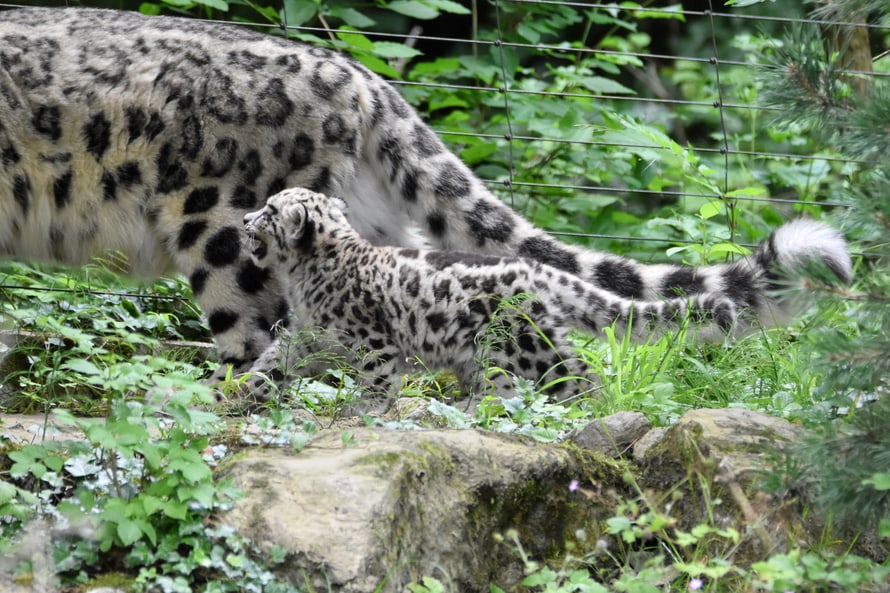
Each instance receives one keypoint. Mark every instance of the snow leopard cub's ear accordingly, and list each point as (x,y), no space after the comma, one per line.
(295,216)
(299,227)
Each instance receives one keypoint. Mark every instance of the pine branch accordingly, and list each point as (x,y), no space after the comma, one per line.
(803,79)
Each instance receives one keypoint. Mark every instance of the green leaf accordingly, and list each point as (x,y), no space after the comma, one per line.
(148,530)
(879,481)
(748,192)
(438,67)
(684,538)
(618,524)
(389,49)
(150,9)
(448,102)
(351,17)
(606,86)
(478,152)
(298,12)
(193,471)
(724,248)
(235,560)
(448,6)
(202,493)
(7,492)
(151,504)
(412,8)
(355,40)
(377,65)
(82,366)
(711,209)
(675,11)
(217,4)
(528,33)
(128,532)
(176,510)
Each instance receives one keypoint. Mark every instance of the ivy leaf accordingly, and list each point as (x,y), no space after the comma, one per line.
(235,560)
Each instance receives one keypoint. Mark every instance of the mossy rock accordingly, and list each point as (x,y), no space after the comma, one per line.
(388,507)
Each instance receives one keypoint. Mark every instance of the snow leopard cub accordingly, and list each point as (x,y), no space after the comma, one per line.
(463,312)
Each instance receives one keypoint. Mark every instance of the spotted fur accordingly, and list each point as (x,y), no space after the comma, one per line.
(153,136)
(386,308)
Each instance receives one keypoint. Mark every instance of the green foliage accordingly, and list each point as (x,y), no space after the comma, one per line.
(643,550)
(98,341)
(141,488)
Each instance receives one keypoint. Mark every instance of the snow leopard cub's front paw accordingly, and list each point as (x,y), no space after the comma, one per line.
(244,393)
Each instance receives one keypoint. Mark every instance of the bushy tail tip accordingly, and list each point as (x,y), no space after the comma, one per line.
(795,246)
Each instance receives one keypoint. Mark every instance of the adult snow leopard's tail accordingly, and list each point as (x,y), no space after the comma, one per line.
(723,299)
(718,300)
(759,287)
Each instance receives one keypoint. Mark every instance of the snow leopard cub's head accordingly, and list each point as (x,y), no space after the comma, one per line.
(290,223)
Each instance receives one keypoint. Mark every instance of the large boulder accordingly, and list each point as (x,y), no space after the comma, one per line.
(379,509)
(719,458)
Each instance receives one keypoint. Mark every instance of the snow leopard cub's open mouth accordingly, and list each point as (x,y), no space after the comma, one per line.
(256,245)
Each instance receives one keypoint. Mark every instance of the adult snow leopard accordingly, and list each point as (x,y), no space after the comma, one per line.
(153,136)
(385,307)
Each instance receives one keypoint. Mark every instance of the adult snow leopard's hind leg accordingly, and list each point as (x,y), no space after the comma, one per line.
(456,211)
